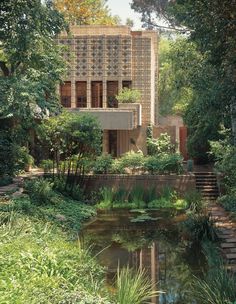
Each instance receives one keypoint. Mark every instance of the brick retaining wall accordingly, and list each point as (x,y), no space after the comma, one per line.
(181,183)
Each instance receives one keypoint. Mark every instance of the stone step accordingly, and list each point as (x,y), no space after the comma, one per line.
(228,245)
(231,256)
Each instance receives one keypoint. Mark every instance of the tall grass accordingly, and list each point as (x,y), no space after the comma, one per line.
(218,285)
(107,195)
(136,197)
(133,287)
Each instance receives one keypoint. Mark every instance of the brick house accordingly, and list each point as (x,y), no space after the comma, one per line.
(103,60)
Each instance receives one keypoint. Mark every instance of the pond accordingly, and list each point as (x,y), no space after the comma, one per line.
(149,240)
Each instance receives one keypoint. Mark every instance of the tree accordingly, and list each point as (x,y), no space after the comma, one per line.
(71,137)
(84,12)
(211,25)
(30,64)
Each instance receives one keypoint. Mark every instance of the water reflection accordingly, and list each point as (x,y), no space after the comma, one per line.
(154,245)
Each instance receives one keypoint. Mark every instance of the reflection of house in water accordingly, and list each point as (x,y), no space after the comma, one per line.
(153,261)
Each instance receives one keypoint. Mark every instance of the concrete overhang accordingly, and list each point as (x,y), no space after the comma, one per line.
(122,118)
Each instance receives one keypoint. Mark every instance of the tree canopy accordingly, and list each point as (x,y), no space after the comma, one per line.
(30,62)
(82,12)
(211,26)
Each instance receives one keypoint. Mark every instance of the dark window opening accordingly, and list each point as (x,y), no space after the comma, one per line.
(97,94)
(112,91)
(65,92)
(81,94)
(127,84)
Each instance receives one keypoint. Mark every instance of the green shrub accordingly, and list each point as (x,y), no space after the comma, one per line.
(152,164)
(39,190)
(128,96)
(103,164)
(195,201)
(164,164)
(5,180)
(199,227)
(117,167)
(160,145)
(228,201)
(132,161)
(46,165)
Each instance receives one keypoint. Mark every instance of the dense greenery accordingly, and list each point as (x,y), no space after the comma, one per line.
(73,139)
(210,73)
(30,70)
(225,155)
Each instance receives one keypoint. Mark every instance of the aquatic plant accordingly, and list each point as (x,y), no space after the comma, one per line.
(133,287)
(107,195)
(218,286)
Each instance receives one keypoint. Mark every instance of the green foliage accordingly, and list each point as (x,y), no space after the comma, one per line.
(103,164)
(133,161)
(46,165)
(218,285)
(39,190)
(136,197)
(128,96)
(165,163)
(63,272)
(195,201)
(160,145)
(133,287)
(228,201)
(107,195)
(75,138)
(31,64)
(199,227)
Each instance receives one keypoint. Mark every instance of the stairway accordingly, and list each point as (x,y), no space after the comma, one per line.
(206,183)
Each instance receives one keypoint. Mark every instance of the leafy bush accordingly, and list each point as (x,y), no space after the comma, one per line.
(228,201)
(39,190)
(103,164)
(160,145)
(5,180)
(132,161)
(46,165)
(129,96)
(165,163)
(199,227)
(117,167)
(195,201)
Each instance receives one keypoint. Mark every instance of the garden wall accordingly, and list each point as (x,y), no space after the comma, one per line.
(181,183)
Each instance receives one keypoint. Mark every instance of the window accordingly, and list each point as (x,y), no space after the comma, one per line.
(127,84)
(97,94)
(81,94)
(65,90)
(112,91)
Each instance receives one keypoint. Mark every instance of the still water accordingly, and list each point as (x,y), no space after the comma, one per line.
(149,240)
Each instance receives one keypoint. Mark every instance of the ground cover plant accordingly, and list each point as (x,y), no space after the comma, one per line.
(39,234)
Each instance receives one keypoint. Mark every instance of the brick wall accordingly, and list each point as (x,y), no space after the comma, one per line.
(181,183)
